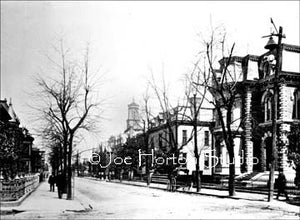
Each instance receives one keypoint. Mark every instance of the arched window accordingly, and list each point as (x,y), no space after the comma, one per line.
(267,101)
(268,106)
(296,106)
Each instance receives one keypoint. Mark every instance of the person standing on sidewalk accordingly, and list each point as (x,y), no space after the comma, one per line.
(60,183)
(52,181)
(281,185)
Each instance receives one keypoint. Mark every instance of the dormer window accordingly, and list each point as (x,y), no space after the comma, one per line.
(268,65)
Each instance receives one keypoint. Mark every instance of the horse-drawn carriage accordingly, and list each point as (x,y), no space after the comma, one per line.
(180,179)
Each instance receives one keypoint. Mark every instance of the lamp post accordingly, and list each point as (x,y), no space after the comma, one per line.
(272,45)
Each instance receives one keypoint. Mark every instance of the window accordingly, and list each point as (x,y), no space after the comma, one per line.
(268,108)
(206,138)
(206,161)
(134,115)
(184,136)
(218,123)
(296,106)
(268,65)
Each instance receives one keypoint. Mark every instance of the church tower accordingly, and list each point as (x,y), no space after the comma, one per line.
(133,116)
(133,120)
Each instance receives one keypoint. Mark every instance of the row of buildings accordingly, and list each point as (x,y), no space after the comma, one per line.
(251,119)
(18,155)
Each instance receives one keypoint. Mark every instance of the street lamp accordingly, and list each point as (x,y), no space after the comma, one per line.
(271,45)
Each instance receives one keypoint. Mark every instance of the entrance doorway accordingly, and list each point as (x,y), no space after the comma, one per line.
(268,144)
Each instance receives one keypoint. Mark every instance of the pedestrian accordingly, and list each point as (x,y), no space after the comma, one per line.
(280,183)
(109,176)
(41,177)
(51,181)
(60,183)
(121,174)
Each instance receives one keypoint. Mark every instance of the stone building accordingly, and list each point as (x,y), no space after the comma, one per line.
(255,77)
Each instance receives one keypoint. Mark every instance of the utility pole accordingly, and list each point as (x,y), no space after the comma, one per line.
(275,109)
(196,146)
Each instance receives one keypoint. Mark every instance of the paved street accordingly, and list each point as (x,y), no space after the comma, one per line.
(114,200)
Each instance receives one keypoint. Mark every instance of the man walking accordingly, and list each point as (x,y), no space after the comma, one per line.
(281,185)
(51,181)
(60,183)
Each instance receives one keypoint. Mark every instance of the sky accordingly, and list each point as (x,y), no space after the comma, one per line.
(128,39)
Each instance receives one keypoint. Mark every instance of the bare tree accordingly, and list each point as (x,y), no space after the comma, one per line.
(146,121)
(199,96)
(224,85)
(68,102)
(186,113)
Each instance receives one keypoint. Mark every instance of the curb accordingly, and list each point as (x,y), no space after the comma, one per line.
(238,190)
(179,191)
(195,193)
(84,201)
(19,201)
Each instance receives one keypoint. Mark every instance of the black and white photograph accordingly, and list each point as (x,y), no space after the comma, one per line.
(150,110)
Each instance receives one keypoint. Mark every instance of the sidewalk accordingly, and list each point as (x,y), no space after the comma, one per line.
(44,204)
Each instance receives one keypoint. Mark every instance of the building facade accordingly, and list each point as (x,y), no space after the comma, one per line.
(17,155)
(251,117)
(256,81)
(173,134)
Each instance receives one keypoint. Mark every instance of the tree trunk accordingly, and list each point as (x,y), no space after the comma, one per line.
(147,161)
(60,155)
(198,176)
(231,184)
(65,146)
(69,169)
(65,158)
(196,151)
